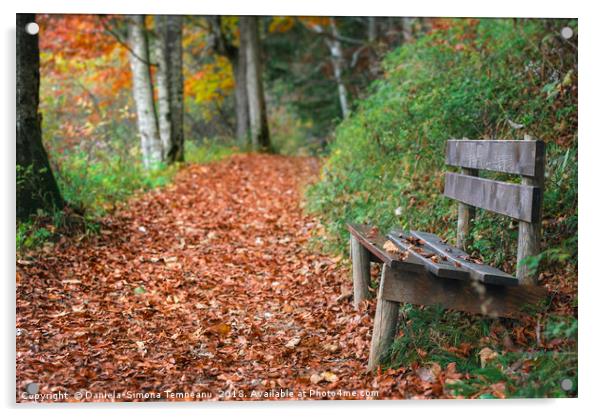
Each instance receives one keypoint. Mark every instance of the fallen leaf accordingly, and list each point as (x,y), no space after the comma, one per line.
(390,247)
(425,374)
(220,329)
(487,355)
(315,378)
(291,344)
(329,376)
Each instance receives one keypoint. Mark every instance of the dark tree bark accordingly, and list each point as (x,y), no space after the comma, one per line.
(259,131)
(176,87)
(170,86)
(36,185)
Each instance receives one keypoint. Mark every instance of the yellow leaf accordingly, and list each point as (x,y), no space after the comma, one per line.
(329,376)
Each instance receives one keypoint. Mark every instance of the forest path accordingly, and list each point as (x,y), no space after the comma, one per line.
(205,286)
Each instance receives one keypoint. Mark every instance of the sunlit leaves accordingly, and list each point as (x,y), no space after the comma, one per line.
(210,85)
(281,24)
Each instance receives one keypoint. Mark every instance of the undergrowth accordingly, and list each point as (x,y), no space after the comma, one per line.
(95,184)
(527,368)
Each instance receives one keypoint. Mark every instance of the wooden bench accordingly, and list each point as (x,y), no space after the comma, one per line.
(420,268)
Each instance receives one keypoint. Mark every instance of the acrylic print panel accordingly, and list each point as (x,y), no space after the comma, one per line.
(185,186)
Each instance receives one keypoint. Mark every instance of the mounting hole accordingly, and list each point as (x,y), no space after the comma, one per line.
(566,32)
(566,384)
(32,388)
(32,28)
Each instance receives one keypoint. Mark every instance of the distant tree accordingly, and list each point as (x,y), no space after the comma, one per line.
(332,40)
(338,64)
(170,86)
(237,57)
(36,186)
(148,127)
(259,131)
(163,97)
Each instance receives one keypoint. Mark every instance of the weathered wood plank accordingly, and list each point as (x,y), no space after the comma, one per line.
(469,296)
(385,322)
(521,202)
(360,259)
(442,268)
(522,157)
(478,272)
(374,242)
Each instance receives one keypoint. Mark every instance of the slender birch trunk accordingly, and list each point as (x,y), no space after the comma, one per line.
(240,94)
(163,75)
(259,131)
(336,53)
(336,57)
(406,25)
(152,149)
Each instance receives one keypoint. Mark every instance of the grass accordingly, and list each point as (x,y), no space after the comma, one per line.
(430,334)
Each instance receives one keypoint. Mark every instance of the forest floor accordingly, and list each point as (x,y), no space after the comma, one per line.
(207,286)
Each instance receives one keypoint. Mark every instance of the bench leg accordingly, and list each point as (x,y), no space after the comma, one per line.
(360,258)
(385,322)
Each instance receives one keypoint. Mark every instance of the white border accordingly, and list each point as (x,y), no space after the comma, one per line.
(589,230)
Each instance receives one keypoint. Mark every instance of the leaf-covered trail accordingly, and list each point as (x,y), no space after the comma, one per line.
(204,286)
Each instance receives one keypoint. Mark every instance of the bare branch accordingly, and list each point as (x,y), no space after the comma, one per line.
(123,43)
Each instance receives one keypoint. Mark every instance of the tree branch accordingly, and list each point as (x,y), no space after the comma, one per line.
(124,43)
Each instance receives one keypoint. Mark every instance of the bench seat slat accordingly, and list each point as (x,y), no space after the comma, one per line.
(441,268)
(479,272)
(374,245)
(519,157)
(517,201)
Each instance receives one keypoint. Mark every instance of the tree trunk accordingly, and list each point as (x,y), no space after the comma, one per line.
(240,94)
(36,186)
(336,53)
(163,70)
(173,43)
(372,29)
(237,55)
(407,32)
(150,141)
(373,41)
(259,131)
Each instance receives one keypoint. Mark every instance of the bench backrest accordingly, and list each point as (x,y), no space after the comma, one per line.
(520,201)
